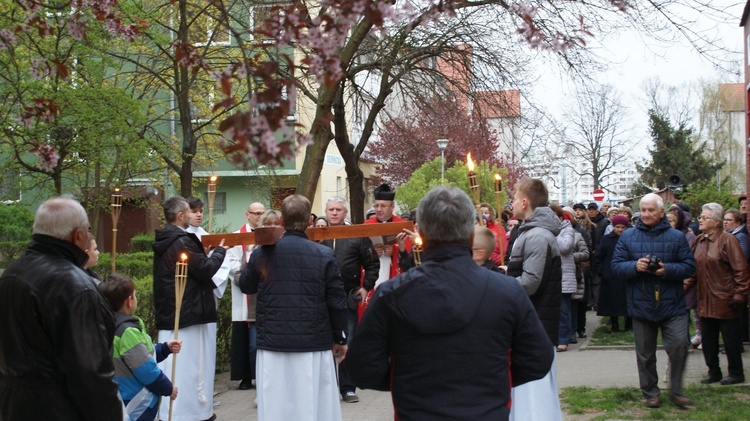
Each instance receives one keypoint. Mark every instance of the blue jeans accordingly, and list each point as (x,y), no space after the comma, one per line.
(566,325)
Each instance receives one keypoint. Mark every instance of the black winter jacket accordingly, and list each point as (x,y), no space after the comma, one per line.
(301,300)
(56,338)
(439,337)
(198,305)
(352,255)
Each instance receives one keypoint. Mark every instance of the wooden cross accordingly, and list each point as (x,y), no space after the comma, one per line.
(270,235)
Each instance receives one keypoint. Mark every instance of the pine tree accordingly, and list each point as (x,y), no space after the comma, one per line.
(674,153)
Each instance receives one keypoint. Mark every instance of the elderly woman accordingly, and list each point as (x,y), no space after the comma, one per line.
(721,280)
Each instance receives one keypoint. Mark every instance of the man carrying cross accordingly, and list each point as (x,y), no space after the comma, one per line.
(388,253)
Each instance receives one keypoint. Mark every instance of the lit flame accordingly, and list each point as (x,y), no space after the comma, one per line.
(183,257)
(469,162)
(117,189)
(498,178)
(418,241)
(213,179)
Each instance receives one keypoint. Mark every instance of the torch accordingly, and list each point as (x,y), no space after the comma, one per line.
(180,281)
(116,208)
(211,195)
(417,251)
(498,190)
(474,186)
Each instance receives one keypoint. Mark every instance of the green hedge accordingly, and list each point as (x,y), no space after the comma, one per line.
(135,265)
(142,242)
(10,251)
(139,267)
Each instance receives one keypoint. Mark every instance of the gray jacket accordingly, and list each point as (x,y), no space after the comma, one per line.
(566,242)
(535,234)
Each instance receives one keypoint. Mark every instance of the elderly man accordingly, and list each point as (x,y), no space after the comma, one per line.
(242,350)
(439,338)
(352,255)
(301,316)
(388,253)
(56,340)
(535,259)
(197,362)
(654,259)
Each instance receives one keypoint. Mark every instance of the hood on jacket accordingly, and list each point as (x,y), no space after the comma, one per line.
(542,217)
(441,280)
(123,321)
(165,237)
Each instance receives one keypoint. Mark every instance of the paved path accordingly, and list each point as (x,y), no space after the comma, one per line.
(580,366)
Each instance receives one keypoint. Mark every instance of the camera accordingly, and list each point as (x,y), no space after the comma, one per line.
(653,264)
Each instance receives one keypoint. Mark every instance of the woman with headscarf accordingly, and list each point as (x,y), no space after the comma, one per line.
(721,280)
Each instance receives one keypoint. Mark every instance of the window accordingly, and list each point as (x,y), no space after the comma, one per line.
(220,203)
(205,26)
(259,16)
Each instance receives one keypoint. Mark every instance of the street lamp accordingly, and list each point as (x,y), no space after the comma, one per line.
(442,144)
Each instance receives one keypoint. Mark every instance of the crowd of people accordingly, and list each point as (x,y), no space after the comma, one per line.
(321,319)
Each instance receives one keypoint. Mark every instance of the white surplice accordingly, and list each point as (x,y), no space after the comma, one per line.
(537,400)
(196,366)
(299,386)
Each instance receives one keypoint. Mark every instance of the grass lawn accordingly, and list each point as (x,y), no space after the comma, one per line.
(602,337)
(711,402)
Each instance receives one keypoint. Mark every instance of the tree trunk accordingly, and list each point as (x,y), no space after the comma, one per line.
(182,77)
(354,174)
(307,182)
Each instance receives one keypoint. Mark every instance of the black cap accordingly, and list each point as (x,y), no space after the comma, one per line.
(384,192)
(593,206)
(579,206)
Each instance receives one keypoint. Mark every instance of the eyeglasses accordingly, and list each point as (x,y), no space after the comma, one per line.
(256,213)
(706,218)
(728,220)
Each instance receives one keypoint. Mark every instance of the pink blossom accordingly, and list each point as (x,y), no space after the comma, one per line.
(47,157)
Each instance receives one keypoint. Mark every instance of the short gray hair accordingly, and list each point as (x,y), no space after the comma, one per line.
(59,217)
(446,215)
(717,211)
(173,206)
(653,197)
(338,199)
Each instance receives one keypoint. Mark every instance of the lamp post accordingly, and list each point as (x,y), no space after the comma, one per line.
(442,144)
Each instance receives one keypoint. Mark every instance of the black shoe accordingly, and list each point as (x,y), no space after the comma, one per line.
(573,340)
(581,333)
(246,384)
(732,380)
(711,379)
(350,397)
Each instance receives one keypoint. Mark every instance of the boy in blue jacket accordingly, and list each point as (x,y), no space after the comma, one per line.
(140,380)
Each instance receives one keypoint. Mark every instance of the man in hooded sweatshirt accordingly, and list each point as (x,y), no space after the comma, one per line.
(535,259)
(439,335)
(198,317)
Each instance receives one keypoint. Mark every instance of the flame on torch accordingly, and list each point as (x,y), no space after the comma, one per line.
(469,162)
(183,257)
(418,241)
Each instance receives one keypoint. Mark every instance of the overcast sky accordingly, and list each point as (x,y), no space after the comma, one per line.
(633,61)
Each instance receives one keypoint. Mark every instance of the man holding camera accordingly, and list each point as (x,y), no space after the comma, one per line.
(654,259)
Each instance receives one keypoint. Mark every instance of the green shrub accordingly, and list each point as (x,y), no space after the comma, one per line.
(16,222)
(142,242)
(11,250)
(134,265)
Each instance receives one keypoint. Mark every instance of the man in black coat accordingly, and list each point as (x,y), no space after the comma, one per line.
(352,255)
(300,318)
(600,226)
(57,329)
(197,361)
(439,336)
